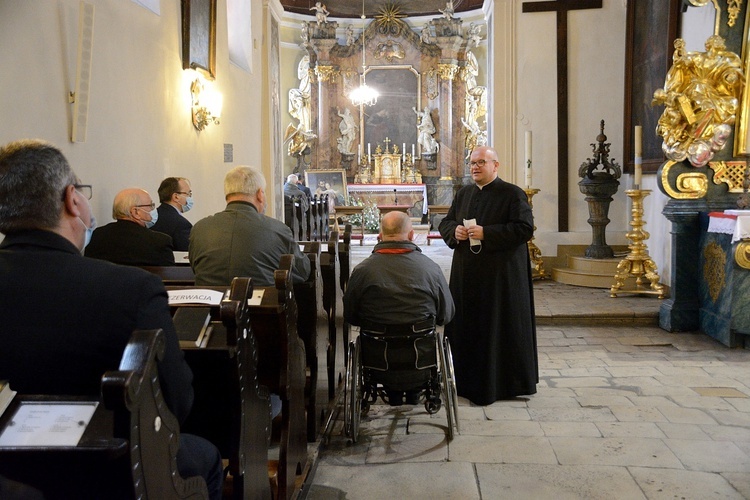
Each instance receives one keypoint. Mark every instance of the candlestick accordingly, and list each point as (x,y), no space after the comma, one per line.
(638,168)
(535,254)
(637,264)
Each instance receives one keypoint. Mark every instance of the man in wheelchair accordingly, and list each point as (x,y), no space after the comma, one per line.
(397,290)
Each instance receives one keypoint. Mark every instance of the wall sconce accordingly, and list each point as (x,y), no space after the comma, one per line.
(206,104)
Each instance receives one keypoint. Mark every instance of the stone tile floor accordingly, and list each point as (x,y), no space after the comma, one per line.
(623,410)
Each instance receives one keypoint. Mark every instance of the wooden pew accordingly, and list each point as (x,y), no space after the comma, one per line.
(329,269)
(281,369)
(309,297)
(128,449)
(274,322)
(232,409)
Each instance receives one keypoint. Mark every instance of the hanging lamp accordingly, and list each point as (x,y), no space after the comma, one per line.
(363,95)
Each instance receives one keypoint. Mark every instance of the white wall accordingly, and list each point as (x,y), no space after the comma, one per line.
(139,123)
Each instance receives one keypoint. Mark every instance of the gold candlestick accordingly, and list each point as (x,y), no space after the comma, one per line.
(637,263)
(535,255)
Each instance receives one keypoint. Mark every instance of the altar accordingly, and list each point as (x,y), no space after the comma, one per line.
(725,281)
(389,194)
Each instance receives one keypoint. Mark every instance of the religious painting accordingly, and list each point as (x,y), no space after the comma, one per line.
(651,32)
(199,36)
(393,117)
(330,182)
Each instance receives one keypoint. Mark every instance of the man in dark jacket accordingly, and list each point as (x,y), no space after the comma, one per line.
(176,198)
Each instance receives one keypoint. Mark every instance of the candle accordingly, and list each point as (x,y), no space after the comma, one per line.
(638,170)
(403,151)
(368,152)
(359,153)
(527,164)
(412,150)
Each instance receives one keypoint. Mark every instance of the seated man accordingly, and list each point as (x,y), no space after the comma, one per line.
(176,198)
(397,285)
(67,319)
(292,189)
(241,241)
(127,240)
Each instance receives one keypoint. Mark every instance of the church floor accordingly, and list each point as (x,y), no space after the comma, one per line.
(623,410)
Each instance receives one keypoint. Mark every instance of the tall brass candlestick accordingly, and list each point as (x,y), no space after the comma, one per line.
(637,263)
(535,254)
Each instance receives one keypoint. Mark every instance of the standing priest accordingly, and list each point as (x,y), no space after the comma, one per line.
(493,334)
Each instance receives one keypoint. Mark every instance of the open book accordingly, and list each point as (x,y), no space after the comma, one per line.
(193,325)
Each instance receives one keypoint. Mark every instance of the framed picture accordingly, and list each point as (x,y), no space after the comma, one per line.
(393,116)
(199,36)
(651,31)
(330,182)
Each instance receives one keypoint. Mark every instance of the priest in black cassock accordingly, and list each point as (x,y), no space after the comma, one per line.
(493,333)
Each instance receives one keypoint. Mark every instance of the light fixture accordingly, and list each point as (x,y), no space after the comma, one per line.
(363,95)
(207,104)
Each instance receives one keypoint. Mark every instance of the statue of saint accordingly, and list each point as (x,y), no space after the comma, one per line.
(348,129)
(425,129)
(425,36)
(449,11)
(349,36)
(474,36)
(299,107)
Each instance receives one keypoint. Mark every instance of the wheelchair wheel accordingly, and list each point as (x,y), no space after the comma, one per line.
(353,392)
(449,386)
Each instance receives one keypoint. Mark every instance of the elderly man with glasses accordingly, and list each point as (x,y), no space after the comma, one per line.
(493,334)
(176,198)
(128,240)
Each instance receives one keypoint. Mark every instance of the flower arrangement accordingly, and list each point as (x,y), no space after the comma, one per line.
(370,214)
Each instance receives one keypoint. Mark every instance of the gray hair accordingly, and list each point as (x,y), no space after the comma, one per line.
(292,178)
(33,178)
(244,180)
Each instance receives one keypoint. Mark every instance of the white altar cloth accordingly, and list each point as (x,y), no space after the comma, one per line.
(384,188)
(734,222)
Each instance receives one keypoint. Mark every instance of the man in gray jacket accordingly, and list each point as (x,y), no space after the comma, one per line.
(240,240)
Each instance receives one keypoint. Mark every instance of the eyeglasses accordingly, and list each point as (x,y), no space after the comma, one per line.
(85,189)
(189,193)
(479,163)
(150,206)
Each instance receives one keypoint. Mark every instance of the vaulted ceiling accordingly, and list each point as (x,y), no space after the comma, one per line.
(353,8)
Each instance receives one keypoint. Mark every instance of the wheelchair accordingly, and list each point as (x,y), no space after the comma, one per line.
(399,358)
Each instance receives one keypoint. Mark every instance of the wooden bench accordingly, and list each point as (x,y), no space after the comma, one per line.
(330,271)
(231,408)
(128,449)
(436,210)
(173,275)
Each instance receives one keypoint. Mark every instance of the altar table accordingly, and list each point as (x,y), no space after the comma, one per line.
(391,194)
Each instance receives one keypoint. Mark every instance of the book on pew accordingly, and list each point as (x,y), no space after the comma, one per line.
(6,395)
(191,324)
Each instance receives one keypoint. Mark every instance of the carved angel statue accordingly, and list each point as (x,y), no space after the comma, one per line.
(475,136)
(449,11)
(701,97)
(425,36)
(321,13)
(425,129)
(474,35)
(349,36)
(348,129)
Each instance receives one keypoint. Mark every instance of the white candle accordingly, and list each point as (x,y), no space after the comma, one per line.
(638,170)
(359,153)
(527,163)
(403,151)
(368,152)
(412,150)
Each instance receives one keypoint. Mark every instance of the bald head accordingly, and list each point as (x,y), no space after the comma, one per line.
(130,202)
(396,226)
